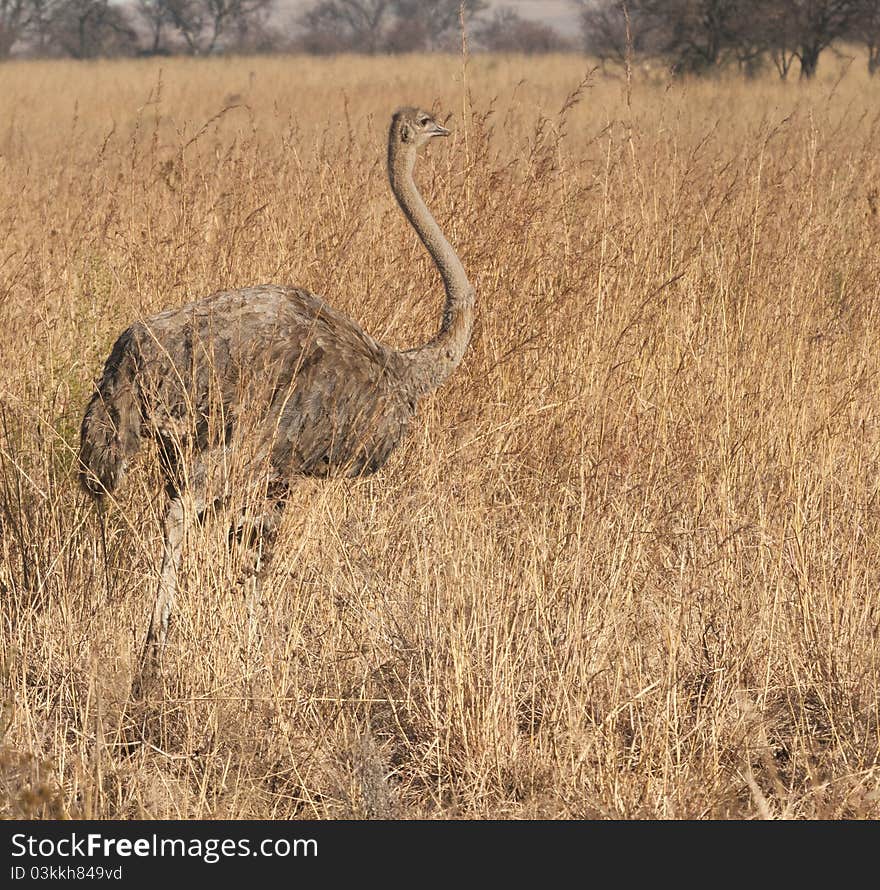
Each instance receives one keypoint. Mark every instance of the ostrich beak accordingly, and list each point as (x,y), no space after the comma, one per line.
(436,130)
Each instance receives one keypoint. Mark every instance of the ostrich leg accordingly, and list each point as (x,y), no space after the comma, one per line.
(174,528)
(257,534)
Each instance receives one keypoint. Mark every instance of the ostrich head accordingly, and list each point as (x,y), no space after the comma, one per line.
(412,128)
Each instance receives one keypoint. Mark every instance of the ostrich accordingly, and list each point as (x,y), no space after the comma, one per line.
(274,372)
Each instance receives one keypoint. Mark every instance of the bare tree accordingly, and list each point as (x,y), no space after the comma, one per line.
(346,25)
(615,29)
(705,31)
(153,15)
(865,29)
(86,29)
(207,25)
(694,35)
(778,24)
(872,39)
(806,28)
(604,28)
(751,49)
(407,36)
(27,24)
(39,36)
(508,31)
(15,17)
(699,35)
(439,20)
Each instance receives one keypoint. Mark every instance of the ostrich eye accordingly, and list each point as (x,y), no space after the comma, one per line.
(424,121)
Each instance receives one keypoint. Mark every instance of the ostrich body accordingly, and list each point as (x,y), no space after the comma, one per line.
(271,372)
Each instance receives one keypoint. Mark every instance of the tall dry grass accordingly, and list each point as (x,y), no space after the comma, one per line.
(628,565)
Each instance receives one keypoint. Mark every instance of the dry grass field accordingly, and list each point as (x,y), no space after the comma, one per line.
(628,565)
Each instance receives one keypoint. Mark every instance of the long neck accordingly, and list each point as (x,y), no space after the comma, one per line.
(431,364)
